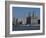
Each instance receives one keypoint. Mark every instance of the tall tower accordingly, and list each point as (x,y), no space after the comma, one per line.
(33,15)
(34,18)
(28,21)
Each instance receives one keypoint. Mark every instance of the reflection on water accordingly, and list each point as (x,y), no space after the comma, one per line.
(26,27)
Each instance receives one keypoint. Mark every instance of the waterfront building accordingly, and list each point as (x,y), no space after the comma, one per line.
(24,21)
(35,19)
(28,19)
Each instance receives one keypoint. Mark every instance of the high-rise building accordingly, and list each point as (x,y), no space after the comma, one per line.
(16,21)
(28,19)
(34,18)
(23,20)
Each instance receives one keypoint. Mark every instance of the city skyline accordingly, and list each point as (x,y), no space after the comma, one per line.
(26,18)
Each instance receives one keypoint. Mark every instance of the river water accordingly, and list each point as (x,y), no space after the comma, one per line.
(25,27)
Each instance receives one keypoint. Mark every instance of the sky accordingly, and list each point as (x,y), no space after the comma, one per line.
(19,12)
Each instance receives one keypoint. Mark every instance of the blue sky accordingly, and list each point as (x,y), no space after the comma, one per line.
(19,12)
